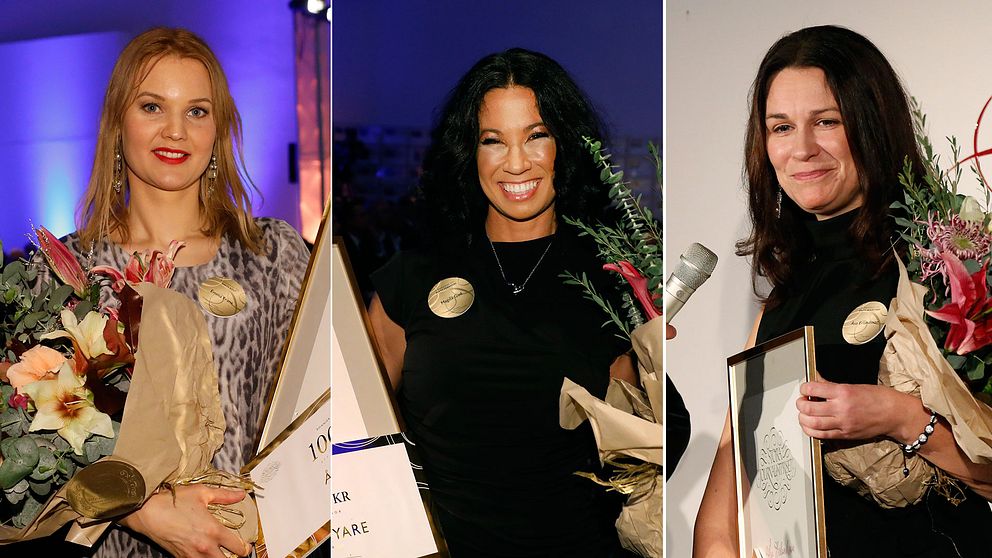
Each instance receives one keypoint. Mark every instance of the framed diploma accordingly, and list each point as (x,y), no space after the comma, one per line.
(304,372)
(294,473)
(778,468)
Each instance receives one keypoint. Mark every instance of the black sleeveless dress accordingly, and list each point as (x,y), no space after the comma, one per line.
(480,396)
(829,287)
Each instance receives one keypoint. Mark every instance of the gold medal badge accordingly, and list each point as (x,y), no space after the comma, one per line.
(451,297)
(864,323)
(106,489)
(222,297)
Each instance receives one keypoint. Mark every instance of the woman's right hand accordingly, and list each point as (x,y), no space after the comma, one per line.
(186,528)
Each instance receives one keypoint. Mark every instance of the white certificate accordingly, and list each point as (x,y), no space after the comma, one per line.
(778,468)
(294,477)
(378,511)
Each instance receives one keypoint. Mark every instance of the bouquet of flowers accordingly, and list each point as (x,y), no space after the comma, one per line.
(64,358)
(87,397)
(942,299)
(627,425)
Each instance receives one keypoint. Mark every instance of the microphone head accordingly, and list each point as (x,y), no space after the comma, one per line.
(696,265)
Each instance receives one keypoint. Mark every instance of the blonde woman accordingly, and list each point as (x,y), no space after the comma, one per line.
(168,166)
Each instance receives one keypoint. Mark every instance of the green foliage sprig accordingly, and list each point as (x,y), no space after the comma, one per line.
(636,237)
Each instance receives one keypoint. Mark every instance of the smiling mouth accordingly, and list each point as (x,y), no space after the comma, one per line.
(519,191)
(810,175)
(170,156)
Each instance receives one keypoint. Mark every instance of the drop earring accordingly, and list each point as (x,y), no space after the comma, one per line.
(778,204)
(118,181)
(211,175)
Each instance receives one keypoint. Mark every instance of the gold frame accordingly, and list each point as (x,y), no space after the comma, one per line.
(374,391)
(286,390)
(760,379)
(380,412)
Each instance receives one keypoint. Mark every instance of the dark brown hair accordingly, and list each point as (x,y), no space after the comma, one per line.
(879,129)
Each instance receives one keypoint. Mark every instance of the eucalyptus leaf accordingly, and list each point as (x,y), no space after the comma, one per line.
(59,296)
(27,514)
(66,467)
(978,372)
(18,492)
(46,467)
(954,360)
(41,488)
(82,309)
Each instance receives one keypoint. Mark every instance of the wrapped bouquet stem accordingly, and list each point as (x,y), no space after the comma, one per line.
(172,425)
(913,363)
(628,424)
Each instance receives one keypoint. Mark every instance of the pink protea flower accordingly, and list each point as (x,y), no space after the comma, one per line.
(969,310)
(150,266)
(638,284)
(62,262)
(966,240)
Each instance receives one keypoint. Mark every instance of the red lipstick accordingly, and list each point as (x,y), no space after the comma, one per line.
(170,156)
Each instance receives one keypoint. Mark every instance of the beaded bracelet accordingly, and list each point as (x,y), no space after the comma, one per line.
(910,449)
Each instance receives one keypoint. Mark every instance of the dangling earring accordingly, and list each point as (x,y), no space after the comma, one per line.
(118,180)
(778,204)
(211,175)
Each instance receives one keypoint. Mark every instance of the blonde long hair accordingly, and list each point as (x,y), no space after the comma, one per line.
(228,210)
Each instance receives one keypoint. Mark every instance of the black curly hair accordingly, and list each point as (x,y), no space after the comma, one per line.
(449,187)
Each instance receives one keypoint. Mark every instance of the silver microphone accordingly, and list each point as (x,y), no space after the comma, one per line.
(695,267)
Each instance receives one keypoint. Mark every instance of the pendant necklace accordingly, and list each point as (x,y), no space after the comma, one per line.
(517,289)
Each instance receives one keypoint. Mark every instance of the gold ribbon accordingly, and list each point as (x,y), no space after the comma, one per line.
(629,478)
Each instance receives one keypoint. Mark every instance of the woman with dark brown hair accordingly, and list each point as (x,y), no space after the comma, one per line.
(829,131)
(168,167)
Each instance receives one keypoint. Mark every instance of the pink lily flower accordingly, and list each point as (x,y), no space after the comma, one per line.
(150,266)
(638,284)
(969,310)
(62,262)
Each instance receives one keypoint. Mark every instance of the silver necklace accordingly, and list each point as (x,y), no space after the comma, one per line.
(517,289)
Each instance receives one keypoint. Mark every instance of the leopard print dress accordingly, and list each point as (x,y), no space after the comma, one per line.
(246,346)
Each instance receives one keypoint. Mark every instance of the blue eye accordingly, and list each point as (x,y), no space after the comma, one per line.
(198,112)
(150,107)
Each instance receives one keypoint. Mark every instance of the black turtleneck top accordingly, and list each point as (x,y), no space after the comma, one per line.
(826,290)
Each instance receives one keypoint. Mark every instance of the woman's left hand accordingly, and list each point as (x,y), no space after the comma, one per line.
(852,411)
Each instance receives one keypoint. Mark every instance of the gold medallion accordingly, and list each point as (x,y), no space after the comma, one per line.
(451,297)
(222,297)
(864,323)
(106,489)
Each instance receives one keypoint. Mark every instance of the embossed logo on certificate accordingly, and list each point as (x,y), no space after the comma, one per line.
(451,297)
(776,469)
(864,323)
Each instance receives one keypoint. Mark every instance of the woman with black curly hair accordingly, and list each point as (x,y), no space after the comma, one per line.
(477,331)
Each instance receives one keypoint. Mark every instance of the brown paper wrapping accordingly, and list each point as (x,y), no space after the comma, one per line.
(172,423)
(628,423)
(913,363)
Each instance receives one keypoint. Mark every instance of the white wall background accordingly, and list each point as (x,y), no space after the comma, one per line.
(712,51)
